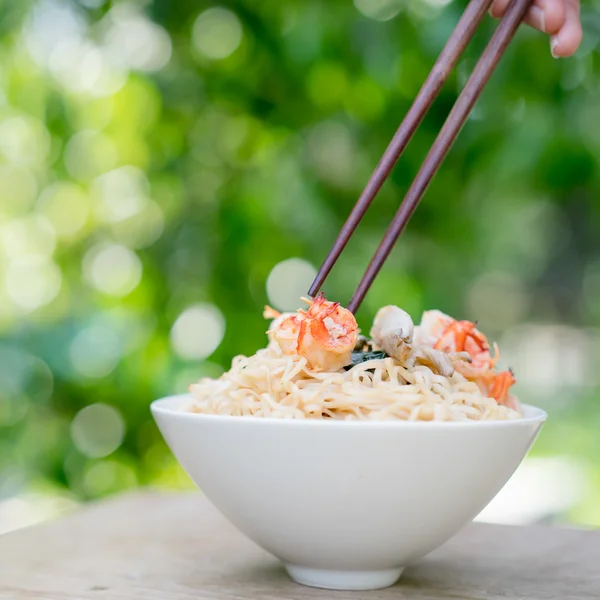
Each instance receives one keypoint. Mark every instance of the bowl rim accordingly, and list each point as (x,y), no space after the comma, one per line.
(164,407)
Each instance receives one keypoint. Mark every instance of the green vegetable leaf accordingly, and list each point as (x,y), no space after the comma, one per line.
(360,357)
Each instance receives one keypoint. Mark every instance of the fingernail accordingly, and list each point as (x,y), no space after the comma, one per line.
(554,41)
(538,15)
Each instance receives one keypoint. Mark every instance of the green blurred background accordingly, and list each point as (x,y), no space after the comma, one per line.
(168,167)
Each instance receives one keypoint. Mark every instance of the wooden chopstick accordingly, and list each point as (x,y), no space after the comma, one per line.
(450,130)
(454,48)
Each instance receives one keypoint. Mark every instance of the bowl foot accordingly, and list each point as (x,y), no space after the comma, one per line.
(344,580)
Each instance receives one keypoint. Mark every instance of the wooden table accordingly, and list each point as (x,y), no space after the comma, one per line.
(160,546)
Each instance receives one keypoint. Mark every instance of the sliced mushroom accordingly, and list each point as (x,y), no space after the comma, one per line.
(438,361)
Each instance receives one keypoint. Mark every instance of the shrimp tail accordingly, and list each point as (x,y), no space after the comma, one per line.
(270,313)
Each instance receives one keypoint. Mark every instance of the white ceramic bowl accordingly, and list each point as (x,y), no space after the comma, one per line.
(346,505)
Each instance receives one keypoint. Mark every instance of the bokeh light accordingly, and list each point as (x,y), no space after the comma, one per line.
(28,236)
(332,153)
(217,33)
(24,140)
(32,282)
(48,25)
(120,194)
(112,269)
(198,331)
(133,41)
(438,3)
(142,229)
(97,430)
(107,476)
(95,351)
(55,36)
(66,206)
(19,189)
(122,199)
(77,65)
(328,85)
(89,154)
(380,10)
(288,281)
(25,381)
(92,3)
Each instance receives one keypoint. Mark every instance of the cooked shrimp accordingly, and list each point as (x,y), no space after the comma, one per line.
(393,332)
(283,330)
(449,335)
(500,385)
(463,336)
(325,334)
